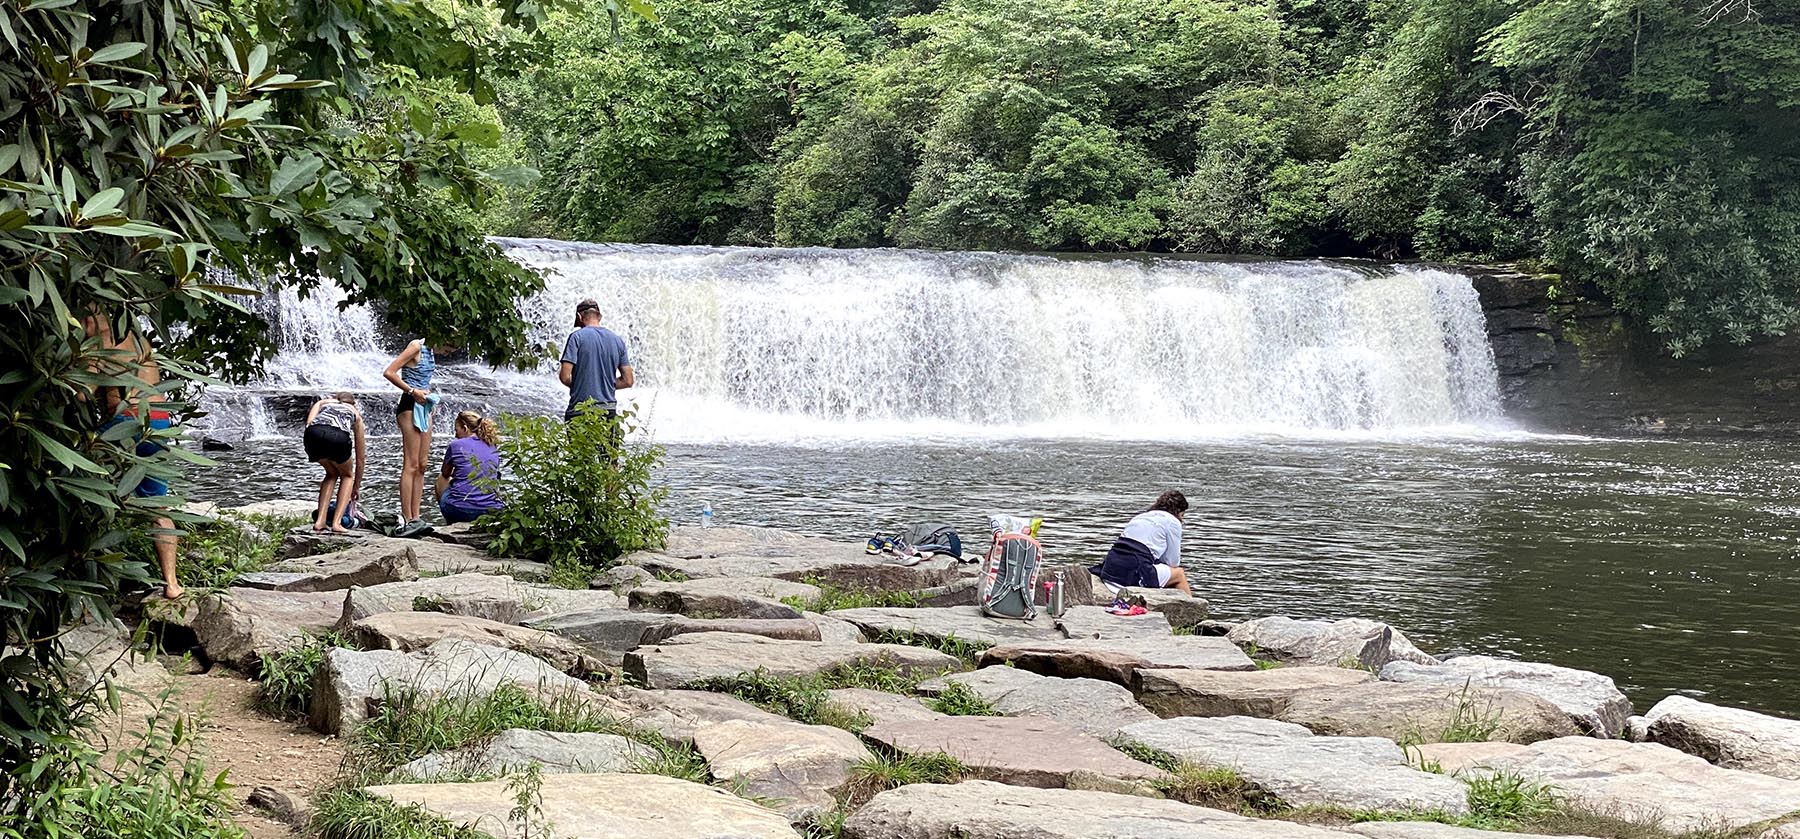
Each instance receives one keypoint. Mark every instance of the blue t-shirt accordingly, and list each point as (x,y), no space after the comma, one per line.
(469,459)
(597,354)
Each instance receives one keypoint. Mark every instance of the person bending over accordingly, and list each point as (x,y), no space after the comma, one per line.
(470,462)
(334,439)
(1148,553)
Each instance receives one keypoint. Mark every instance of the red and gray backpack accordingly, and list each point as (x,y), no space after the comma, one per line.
(1009,577)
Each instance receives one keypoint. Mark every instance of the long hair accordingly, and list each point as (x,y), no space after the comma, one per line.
(484,427)
(1171,502)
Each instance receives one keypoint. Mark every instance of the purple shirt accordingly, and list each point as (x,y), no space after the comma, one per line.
(469,459)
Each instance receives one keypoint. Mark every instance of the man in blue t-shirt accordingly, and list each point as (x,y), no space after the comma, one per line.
(594,363)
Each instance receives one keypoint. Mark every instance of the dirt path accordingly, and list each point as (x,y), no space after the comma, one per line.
(256,749)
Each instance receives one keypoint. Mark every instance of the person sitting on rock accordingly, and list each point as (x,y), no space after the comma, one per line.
(1148,553)
(465,487)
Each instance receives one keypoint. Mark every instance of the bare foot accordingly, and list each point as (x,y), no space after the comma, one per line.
(173,591)
(338,528)
(318,527)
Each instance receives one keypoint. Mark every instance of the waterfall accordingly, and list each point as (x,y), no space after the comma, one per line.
(780,344)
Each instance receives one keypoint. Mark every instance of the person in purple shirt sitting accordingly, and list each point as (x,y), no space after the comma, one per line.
(470,462)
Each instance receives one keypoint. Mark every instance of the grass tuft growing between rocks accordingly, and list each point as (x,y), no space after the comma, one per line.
(1473,720)
(805,699)
(962,648)
(286,679)
(960,700)
(1505,799)
(349,813)
(411,725)
(1217,787)
(571,573)
(890,770)
(833,597)
(215,553)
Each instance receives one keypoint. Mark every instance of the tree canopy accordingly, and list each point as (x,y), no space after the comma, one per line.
(1644,149)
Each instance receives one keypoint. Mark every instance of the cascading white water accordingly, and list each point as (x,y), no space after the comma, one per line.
(772,343)
(786,344)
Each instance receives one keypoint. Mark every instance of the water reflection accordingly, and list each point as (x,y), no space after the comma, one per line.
(1667,565)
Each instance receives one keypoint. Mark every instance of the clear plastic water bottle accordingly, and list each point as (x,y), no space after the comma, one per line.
(706,514)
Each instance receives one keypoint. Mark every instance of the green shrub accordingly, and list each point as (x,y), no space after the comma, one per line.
(832,598)
(960,700)
(888,770)
(576,492)
(286,678)
(1505,800)
(349,813)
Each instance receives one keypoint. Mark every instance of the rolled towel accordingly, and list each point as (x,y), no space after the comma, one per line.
(422,412)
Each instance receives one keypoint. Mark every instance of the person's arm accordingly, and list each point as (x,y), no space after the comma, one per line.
(362,454)
(443,478)
(314,413)
(392,373)
(567,374)
(626,379)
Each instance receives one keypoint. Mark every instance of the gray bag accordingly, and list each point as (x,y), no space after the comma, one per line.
(1009,577)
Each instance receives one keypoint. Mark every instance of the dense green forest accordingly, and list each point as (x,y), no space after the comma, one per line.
(1645,149)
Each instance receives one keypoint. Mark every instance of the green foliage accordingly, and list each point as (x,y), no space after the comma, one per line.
(410,725)
(1501,800)
(349,813)
(155,786)
(1473,719)
(805,699)
(960,700)
(285,680)
(966,650)
(833,597)
(1645,151)
(215,553)
(889,770)
(576,492)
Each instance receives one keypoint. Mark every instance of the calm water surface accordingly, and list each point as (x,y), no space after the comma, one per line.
(1669,565)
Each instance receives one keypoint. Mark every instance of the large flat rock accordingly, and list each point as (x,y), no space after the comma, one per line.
(598,806)
(996,811)
(1249,693)
(678,715)
(516,749)
(764,552)
(1646,782)
(411,631)
(443,558)
(1096,622)
(1428,713)
(303,541)
(606,633)
(1023,751)
(475,595)
(701,599)
(1591,700)
(351,685)
(1730,737)
(797,768)
(1357,773)
(1119,659)
(691,658)
(880,706)
(1092,706)
(369,562)
(963,623)
(239,626)
(798,629)
(1354,642)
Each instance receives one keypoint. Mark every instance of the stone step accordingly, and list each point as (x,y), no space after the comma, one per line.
(1092,706)
(1118,659)
(685,659)
(412,631)
(517,749)
(597,806)
(1354,642)
(1021,751)
(944,623)
(1591,700)
(1249,693)
(476,595)
(351,685)
(1729,737)
(797,768)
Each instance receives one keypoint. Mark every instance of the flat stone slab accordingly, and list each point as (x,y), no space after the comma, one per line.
(241,625)
(881,706)
(1729,737)
(606,633)
(796,767)
(1591,700)
(1249,693)
(370,562)
(765,587)
(461,533)
(1645,782)
(1118,660)
(351,685)
(798,629)
(443,558)
(1357,773)
(475,595)
(598,806)
(1354,642)
(1095,622)
(708,600)
(678,714)
(765,552)
(996,811)
(964,623)
(1424,713)
(410,631)
(303,541)
(516,749)
(1434,830)
(1022,751)
(685,659)
(1092,706)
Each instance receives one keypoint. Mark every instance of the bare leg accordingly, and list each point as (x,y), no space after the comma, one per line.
(1178,580)
(421,465)
(409,487)
(165,556)
(325,485)
(346,487)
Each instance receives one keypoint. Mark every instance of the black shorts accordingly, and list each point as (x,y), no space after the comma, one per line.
(405,405)
(324,442)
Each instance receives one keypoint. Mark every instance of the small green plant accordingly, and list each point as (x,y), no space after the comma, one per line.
(805,699)
(410,724)
(960,700)
(570,573)
(1506,799)
(285,680)
(527,788)
(827,826)
(888,770)
(422,603)
(832,597)
(577,491)
(676,760)
(1218,787)
(216,553)
(1473,720)
(669,575)
(349,813)
(964,649)
(1263,659)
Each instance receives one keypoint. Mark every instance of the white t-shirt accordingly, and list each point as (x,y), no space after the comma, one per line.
(1158,531)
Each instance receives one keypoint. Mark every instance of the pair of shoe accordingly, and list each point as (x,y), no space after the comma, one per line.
(880,545)
(1124,608)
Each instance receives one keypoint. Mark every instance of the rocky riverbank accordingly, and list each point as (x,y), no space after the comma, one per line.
(754,683)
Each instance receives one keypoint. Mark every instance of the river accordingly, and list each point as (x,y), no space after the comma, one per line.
(1342,447)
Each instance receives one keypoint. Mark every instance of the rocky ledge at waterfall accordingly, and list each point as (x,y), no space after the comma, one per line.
(921,722)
